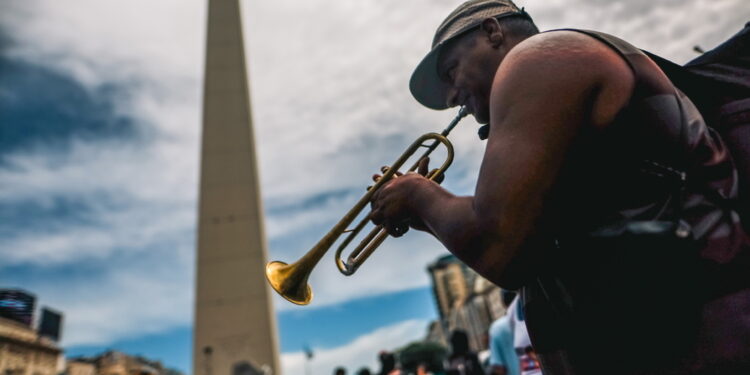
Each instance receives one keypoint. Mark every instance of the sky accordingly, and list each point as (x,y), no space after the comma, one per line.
(100,107)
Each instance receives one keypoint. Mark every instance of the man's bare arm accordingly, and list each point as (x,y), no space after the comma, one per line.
(547,88)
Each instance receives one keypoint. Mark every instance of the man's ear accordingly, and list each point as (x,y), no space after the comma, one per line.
(494,32)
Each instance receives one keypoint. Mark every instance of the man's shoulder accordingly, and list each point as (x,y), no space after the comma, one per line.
(560,46)
(564,64)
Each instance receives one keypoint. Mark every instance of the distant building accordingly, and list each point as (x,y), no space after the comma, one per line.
(116,363)
(18,305)
(79,367)
(436,333)
(465,301)
(24,352)
(50,325)
(451,280)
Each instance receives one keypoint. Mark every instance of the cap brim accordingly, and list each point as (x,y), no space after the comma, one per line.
(425,83)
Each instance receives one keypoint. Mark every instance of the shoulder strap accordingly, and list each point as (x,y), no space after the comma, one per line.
(736,47)
(650,82)
(649,79)
(620,46)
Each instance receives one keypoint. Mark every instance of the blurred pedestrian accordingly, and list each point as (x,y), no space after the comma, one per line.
(521,342)
(364,371)
(462,360)
(339,371)
(387,362)
(503,357)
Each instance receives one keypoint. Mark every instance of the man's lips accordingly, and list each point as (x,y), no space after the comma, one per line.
(468,103)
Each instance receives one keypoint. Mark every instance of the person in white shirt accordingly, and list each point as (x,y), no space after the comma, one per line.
(521,343)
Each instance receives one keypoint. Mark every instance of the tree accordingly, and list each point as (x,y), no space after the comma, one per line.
(421,352)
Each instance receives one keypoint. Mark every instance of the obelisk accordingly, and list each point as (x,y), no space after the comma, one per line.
(235,328)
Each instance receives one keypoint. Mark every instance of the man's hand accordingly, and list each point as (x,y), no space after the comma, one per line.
(390,204)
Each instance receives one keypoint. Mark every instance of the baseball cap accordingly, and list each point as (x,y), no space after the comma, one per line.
(425,84)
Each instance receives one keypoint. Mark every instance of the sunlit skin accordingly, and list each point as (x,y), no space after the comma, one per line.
(468,61)
(537,94)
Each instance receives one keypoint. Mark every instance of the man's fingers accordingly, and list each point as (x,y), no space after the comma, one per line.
(385,169)
(439,178)
(423,166)
(397,229)
(376,213)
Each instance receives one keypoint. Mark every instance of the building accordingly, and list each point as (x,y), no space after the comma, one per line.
(17,305)
(79,367)
(24,352)
(465,301)
(235,328)
(116,363)
(23,349)
(451,280)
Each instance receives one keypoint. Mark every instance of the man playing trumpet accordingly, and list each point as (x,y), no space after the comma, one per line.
(582,198)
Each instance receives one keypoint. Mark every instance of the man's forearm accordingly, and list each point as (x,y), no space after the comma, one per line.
(455,223)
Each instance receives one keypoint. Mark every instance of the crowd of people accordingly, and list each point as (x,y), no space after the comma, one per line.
(509,353)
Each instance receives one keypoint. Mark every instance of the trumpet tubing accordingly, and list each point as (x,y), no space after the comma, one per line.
(290,280)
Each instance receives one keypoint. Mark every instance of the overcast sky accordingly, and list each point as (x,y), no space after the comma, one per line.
(99,148)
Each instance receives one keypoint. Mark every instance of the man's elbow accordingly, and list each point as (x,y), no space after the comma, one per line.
(507,268)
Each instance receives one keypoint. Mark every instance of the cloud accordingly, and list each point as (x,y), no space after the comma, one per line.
(361,352)
(100,42)
(127,211)
(669,28)
(124,297)
(120,265)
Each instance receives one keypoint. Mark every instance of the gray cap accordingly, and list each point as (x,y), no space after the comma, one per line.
(425,84)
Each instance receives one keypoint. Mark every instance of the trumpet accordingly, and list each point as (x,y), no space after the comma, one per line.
(290,280)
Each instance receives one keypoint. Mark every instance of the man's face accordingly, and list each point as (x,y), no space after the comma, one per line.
(468,64)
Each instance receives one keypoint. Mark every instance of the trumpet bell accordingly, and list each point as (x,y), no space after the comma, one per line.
(287,280)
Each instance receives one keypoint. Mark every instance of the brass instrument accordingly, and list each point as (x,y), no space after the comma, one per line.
(290,280)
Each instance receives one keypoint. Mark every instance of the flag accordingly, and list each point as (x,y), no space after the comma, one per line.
(308,352)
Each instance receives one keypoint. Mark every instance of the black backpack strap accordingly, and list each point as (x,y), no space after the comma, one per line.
(738,46)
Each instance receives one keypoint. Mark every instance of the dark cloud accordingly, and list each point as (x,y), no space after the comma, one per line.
(39,106)
(42,216)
